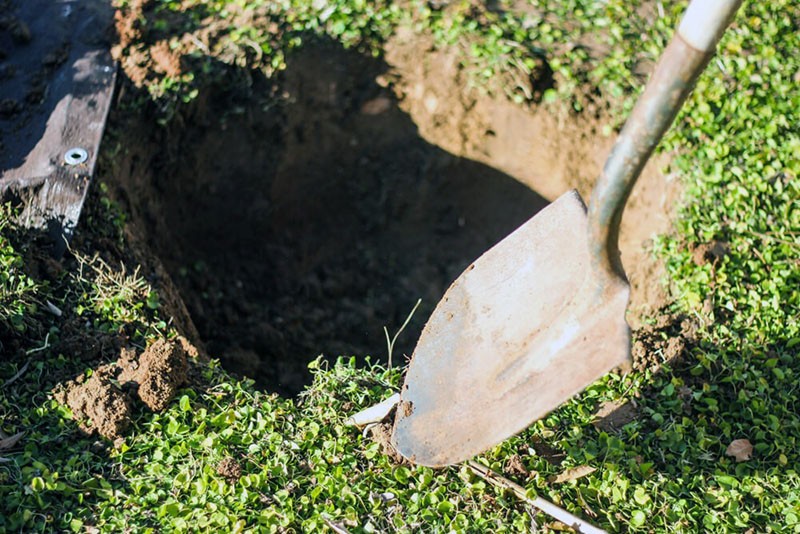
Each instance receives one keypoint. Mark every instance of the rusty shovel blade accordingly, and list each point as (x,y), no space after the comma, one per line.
(479,374)
(541,315)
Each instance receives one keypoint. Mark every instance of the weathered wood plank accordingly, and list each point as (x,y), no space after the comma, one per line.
(67,63)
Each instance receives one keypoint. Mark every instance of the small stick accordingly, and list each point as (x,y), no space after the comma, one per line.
(9,442)
(339,529)
(52,308)
(547,507)
(43,347)
(19,374)
(375,413)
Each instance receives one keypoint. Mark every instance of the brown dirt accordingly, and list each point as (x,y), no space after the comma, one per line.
(515,467)
(382,434)
(98,403)
(709,252)
(307,218)
(136,60)
(158,372)
(104,402)
(229,469)
(666,341)
(166,61)
(549,151)
(545,450)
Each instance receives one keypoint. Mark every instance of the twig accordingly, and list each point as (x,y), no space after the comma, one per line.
(770,237)
(9,442)
(390,343)
(43,347)
(375,413)
(532,514)
(19,374)
(52,308)
(547,507)
(339,529)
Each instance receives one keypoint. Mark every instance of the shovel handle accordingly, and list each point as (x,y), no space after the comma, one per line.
(673,79)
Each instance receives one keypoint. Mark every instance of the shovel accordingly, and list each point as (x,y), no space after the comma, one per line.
(541,315)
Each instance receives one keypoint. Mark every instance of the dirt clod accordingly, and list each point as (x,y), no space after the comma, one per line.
(664,342)
(516,467)
(103,402)
(159,372)
(98,403)
(709,252)
(405,408)
(229,469)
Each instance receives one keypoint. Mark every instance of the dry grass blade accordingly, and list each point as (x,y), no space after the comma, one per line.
(390,342)
(9,442)
(339,529)
(17,375)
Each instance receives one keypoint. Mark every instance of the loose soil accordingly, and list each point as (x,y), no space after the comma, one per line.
(309,213)
(229,469)
(104,402)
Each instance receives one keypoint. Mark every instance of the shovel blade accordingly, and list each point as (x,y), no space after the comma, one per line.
(522,330)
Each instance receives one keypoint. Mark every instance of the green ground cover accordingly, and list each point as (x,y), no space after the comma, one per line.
(738,149)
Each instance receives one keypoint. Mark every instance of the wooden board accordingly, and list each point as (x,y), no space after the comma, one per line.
(56,97)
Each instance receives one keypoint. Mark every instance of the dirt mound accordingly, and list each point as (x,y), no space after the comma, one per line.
(157,373)
(98,403)
(666,341)
(229,469)
(104,401)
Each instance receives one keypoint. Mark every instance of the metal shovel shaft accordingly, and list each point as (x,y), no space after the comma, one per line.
(672,81)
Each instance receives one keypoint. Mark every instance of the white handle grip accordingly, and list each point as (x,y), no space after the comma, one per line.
(704,22)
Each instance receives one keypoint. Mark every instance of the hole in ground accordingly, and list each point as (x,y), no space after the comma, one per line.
(305,226)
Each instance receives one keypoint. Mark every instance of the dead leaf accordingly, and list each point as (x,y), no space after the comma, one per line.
(9,442)
(572,474)
(741,449)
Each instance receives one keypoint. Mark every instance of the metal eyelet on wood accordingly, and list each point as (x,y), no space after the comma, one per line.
(75,156)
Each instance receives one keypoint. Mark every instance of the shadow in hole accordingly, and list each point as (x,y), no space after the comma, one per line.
(305,224)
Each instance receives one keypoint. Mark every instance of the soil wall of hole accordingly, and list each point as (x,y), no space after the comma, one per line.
(303,219)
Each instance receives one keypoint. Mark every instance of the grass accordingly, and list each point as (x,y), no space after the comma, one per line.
(302,468)
(18,291)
